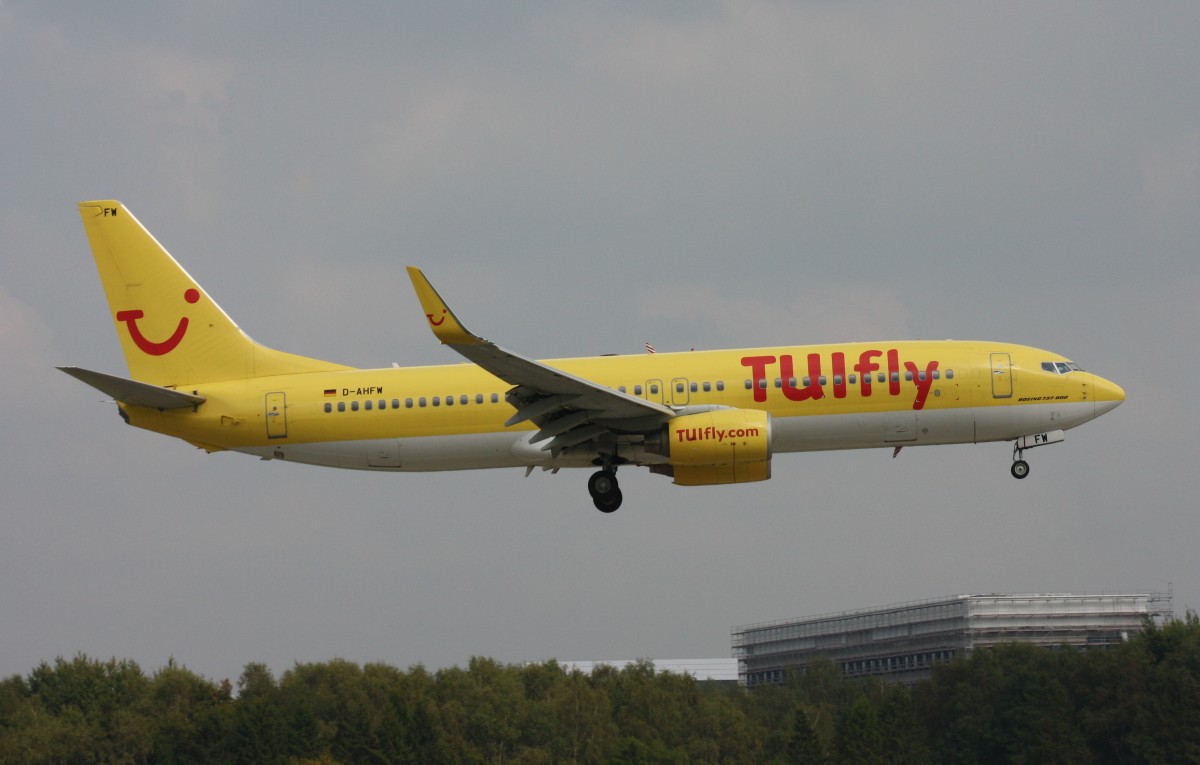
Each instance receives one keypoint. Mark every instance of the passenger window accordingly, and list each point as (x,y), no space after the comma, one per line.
(367,405)
(822,380)
(449,400)
(908,376)
(495,398)
(882,377)
(463,399)
(396,403)
(749,385)
(853,379)
(421,401)
(328,407)
(720,385)
(707,387)
(478,398)
(654,390)
(807,382)
(637,390)
(408,403)
(341,406)
(437,400)
(896,376)
(837,379)
(921,376)
(762,384)
(679,387)
(949,374)
(621,388)
(353,406)
(695,388)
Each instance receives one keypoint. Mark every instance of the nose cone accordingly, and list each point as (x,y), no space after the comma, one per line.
(1107,395)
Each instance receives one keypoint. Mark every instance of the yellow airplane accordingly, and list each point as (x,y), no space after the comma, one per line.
(702,417)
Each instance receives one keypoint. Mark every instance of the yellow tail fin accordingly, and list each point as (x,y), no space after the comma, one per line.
(171,331)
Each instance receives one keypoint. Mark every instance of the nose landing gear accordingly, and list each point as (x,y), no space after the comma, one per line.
(1020,468)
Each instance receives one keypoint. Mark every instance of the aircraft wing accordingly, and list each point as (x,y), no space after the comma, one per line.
(569,410)
(133,392)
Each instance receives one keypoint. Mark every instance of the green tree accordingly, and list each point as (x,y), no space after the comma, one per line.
(859,740)
(804,748)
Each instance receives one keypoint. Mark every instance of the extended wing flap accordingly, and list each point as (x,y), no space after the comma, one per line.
(133,392)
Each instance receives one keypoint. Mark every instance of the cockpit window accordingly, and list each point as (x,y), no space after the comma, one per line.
(1061,367)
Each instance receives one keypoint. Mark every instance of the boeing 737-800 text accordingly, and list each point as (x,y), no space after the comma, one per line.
(702,417)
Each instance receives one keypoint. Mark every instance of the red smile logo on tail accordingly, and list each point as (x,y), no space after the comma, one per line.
(148,346)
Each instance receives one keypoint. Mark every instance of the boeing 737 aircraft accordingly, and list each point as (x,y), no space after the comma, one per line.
(702,417)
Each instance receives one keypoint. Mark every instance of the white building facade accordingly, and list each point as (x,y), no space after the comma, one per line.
(902,642)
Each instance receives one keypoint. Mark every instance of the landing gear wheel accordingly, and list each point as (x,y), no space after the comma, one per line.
(601,483)
(607,503)
(1020,469)
(606,494)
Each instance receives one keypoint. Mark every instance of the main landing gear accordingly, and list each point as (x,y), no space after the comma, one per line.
(606,494)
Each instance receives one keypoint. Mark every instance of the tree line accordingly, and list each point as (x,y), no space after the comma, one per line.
(1136,703)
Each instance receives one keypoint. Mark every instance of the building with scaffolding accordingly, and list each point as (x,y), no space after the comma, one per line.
(902,642)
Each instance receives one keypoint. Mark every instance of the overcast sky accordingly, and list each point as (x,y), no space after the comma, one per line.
(578,179)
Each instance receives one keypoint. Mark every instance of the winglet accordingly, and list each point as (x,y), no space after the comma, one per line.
(445,325)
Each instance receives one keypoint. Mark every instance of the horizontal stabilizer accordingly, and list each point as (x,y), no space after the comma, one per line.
(135,393)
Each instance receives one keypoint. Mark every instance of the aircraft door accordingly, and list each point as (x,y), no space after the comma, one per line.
(1002,375)
(654,391)
(384,453)
(679,392)
(899,426)
(276,415)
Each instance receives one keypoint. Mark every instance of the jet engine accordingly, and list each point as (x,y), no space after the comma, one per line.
(714,447)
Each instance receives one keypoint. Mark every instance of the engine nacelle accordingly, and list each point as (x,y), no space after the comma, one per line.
(715,447)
